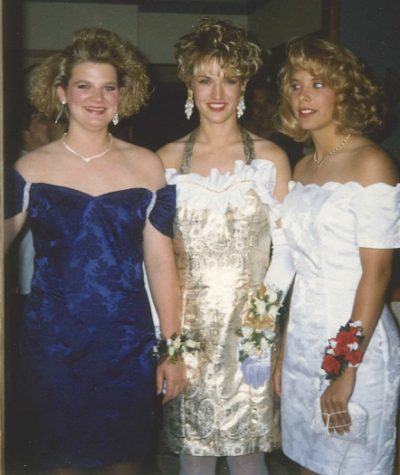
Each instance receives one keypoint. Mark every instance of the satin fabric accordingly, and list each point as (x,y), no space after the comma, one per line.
(222,241)
(87,375)
(325,227)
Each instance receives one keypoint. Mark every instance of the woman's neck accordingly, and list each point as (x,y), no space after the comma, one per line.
(218,134)
(325,141)
(88,142)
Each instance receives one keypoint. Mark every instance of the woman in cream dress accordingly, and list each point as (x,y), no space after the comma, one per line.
(229,187)
(341,219)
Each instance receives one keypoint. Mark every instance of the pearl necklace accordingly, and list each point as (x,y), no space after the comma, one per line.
(92,157)
(319,161)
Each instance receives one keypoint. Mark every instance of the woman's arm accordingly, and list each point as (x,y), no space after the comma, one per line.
(171,154)
(281,270)
(368,165)
(163,282)
(277,371)
(368,304)
(12,227)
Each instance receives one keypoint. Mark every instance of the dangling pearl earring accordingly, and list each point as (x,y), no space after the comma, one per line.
(63,102)
(240,108)
(189,104)
(115,118)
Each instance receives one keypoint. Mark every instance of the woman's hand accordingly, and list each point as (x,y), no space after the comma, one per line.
(171,377)
(334,402)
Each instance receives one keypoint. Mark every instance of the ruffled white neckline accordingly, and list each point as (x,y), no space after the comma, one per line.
(257,169)
(352,185)
(220,190)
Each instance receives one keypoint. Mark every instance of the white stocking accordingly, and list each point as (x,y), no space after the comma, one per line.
(250,464)
(197,465)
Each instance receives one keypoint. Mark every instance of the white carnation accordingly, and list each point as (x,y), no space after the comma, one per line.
(272,296)
(264,344)
(269,334)
(249,348)
(273,311)
(260,307)
(247,332)
(176,343)
(192,344)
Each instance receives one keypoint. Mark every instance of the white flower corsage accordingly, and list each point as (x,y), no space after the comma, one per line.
(174,348)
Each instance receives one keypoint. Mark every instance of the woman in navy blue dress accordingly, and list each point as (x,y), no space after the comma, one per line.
(98,208)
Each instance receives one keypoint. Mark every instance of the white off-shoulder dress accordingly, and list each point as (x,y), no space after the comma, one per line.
(325,227)
(222,241)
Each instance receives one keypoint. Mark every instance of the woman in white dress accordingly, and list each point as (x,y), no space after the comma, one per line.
(341,219)
(229,187)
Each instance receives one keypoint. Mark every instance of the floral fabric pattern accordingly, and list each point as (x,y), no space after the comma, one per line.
(222,240)
(87,372)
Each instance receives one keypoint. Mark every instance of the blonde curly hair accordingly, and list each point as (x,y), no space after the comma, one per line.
(221,41)
(359,105)
(98,46)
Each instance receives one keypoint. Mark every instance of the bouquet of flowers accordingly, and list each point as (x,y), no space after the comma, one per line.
(257,335)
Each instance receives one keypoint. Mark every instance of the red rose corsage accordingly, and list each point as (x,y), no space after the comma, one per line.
(343,350)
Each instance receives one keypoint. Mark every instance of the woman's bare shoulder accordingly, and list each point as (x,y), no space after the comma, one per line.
(142,162)
(34,166)
(371,164)
(302,167)
(268,150)
(171,154)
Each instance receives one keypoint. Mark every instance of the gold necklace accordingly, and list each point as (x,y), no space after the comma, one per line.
(319,161)
(92,157)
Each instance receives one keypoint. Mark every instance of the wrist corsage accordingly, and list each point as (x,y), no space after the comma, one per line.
(174,348)
(343,350)
(257,336)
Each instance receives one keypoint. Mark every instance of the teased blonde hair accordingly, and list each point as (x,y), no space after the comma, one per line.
(359,102)
(221,41)
(98,46)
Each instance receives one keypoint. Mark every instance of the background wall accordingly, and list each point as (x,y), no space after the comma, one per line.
(279,20)
(49,26)
(158,32)
(372,30)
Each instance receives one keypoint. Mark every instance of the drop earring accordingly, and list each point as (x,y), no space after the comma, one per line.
(63,102)
(115,118)
(189,104)
(240,108)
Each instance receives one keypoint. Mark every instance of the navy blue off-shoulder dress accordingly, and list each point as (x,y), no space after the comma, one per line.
(87,371)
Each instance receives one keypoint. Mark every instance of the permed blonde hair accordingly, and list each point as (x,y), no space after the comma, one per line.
(358,101)
(221,41)
(98,46)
